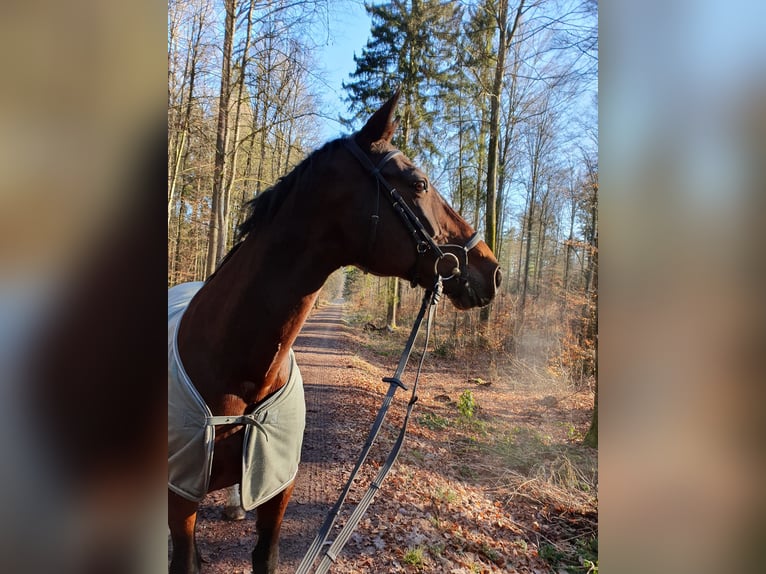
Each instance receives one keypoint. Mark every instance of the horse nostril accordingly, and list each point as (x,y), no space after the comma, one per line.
(498,278)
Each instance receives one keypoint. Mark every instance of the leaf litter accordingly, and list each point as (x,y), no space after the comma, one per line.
(510,489)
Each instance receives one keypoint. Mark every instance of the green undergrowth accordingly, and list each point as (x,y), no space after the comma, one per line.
(433,421)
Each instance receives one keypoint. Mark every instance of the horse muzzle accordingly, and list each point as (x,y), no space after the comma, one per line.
(471,289)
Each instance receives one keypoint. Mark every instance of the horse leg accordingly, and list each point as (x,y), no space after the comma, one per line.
(182,517)
(232,509)
(270,513)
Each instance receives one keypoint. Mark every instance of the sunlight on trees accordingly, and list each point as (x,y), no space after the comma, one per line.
(498,107)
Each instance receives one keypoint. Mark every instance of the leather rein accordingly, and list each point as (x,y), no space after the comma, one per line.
(328,556)
(424,242)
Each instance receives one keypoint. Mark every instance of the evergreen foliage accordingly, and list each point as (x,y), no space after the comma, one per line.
(411,46)
(444,55)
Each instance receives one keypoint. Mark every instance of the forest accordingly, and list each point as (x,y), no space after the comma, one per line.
(499,107)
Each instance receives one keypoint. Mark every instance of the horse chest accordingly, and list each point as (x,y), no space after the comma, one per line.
(273,431)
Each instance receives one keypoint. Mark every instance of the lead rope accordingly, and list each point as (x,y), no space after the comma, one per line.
(430,300)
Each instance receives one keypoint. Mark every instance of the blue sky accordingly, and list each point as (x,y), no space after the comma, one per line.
(349,29)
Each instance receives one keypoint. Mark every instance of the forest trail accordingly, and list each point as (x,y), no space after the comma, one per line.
(326,458)
(507,489)
(323,362)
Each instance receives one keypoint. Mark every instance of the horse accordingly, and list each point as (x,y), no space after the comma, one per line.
(356,201)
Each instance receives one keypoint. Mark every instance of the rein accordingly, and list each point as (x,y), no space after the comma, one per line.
(430,299)
(423,240)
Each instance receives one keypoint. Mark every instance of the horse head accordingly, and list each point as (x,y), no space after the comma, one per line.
(403,226)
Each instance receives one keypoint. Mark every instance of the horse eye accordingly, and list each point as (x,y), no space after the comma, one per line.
(421,185)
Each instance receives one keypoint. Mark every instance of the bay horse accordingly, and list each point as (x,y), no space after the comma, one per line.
(338,207)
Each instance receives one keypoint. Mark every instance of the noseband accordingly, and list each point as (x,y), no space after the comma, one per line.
(423,240)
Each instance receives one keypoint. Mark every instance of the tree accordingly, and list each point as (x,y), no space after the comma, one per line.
(189,22)
(590,330)
(181,104)
(411,45)
(217,232)
(228,182)
(472,83)
(505,37)
(408,42)
(539,141)
(212,163)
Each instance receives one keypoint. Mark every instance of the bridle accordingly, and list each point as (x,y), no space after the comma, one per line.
(423,243)
(423,240)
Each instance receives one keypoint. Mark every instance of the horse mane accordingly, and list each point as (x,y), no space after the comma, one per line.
(264,206)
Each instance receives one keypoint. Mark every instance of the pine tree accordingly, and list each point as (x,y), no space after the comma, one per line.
(411,46)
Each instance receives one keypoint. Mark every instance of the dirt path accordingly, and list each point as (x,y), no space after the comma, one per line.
(508,490)
(325,464)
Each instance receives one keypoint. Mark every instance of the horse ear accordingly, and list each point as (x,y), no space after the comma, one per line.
(381,125)
(391,129)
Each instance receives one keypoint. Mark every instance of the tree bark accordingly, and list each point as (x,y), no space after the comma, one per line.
(490,213)
(490,220)
(392,303)
(217,231)
(231,173)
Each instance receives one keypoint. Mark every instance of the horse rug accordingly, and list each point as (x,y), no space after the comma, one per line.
(273,429)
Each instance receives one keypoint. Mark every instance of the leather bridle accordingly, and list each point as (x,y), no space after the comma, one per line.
(423,240)
(423,243)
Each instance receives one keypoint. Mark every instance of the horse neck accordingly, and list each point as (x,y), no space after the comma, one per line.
(235,336)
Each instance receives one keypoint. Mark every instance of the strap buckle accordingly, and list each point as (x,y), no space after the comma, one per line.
(395,381)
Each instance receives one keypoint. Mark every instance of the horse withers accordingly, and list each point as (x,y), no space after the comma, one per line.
(355,201)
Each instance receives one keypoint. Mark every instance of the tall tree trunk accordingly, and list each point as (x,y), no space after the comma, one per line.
(392,303)
(527,249)
(248,175)
(520,262)
(217,231)
(541,242)
(569,248)
(500,220)
(231,173)
(264,103)
(490,213)
(291,128)
(537,281)
(173,24)
(480,168)
(490,220)
(394,287)
(180,148)
(198,271)
(460,190)
(511,119)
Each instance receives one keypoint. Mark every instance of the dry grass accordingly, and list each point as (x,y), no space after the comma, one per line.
(508,489)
